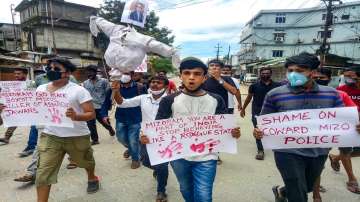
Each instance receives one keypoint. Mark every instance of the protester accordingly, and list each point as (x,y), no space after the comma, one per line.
(55,142)
(352,88)
(301,167)
(127,119)
(258,91)
(172,86)
(20,74)
(149,104)
(97,87)
(196,174)
(220,85)
(226,71)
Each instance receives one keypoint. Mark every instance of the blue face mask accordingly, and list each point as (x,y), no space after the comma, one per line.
(296,79)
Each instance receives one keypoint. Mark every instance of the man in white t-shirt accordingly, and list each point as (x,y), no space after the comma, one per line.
(227,71)
(55,142)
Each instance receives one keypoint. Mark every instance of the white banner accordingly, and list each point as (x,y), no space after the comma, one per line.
(176,138)
(311,128)
(12,85)
(28,107)
(143,66)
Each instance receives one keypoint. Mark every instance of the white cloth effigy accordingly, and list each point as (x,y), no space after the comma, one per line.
(127,48)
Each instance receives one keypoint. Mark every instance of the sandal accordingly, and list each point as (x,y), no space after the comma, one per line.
(353,187)
(25,178)
(126,154)
(335,165)
(71,166)
(260,155)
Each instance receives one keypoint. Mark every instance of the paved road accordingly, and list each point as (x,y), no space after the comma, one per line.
(240,178)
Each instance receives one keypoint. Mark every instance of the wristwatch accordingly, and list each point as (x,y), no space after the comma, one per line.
(221,81)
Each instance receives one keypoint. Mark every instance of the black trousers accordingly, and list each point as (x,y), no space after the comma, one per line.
(92,126)
(299,174)
(258,142)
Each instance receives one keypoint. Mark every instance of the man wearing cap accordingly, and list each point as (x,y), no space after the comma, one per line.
(300,167)
(97,87)
(195,174)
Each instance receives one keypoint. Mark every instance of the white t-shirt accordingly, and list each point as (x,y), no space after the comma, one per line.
(231,102)
(76,95)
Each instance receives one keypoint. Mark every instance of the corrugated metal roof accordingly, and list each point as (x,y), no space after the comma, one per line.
(9,58)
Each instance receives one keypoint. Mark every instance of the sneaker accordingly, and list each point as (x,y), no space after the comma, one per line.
(277,194)
(260,155)
(93,186)
(161,197)
(126,154)
(112,132)
(95,142)
(26,153)
(135,164)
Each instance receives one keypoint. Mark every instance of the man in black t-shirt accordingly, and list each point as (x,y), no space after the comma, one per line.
(258,91)
(218,84)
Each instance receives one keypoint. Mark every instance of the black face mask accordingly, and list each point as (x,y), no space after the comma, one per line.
(53,75)
(322,82)
(92,76)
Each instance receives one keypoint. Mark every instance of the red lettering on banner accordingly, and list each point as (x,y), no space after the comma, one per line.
(325,139)
(327,115)
(296,116)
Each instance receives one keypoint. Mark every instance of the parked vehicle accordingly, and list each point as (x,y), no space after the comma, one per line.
(250,78)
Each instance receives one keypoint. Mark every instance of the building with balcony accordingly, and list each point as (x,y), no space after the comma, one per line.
(9,37)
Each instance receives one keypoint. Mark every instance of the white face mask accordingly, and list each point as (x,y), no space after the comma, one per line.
(125,78)
(156,92)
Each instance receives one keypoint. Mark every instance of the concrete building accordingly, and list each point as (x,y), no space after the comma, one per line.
(8,39)
(274,34)
(58,27)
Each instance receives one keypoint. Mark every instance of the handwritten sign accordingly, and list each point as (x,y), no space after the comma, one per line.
(12,85)
(176,138)
(28,107)
(313,128)
(143,66)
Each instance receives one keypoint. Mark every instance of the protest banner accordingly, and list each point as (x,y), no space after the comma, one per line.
(143,66)
(176,138)
(135,12)
(310,128)
(28,107)
(12,85)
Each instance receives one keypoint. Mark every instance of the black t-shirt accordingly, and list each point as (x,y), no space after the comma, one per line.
(259,91)
(213,86)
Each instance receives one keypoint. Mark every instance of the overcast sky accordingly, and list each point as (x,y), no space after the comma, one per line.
(201,26)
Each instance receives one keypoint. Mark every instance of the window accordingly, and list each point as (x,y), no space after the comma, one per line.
(277,53)
(345,17)
(279,37)
(280,18)
(321,34)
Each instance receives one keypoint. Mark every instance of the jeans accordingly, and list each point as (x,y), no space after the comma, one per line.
(33,137)
(258,142)
(299,174)
(196,179)
(161,170)
(32,167)
(92,126)
(128,135)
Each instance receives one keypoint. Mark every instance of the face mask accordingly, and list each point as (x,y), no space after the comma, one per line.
(91,76)
(349,81)
(156,92)
(296,79)
(125,78)
(53,75)
(225,74)
(322,82)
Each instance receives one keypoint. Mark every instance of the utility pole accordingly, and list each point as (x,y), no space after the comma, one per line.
(325,46)
(52,27)
(14,26)
(218,47)
(228,55)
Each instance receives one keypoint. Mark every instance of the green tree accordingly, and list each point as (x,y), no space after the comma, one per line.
(161,64)
(112,11)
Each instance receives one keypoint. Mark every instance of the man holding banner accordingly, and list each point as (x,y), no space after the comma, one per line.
(56,141)
(195,174)
(299,165)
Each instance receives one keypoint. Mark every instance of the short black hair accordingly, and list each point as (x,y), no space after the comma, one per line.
(304,60)
(192,63)
(227,66)
(265,69)
(69,66)
(161,78)
(21,69)
(216,61)
(326,71)
(162,71)
(92,68)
